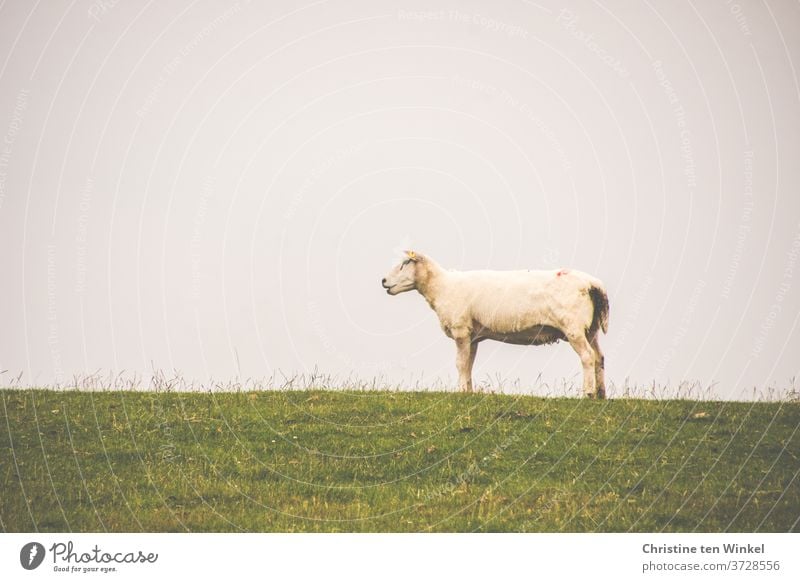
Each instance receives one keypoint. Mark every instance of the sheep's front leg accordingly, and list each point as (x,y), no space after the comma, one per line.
(465,357)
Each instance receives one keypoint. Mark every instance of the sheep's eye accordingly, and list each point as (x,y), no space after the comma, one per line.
(404,263)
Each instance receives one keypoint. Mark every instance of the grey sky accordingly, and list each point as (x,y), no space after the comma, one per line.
(184,182)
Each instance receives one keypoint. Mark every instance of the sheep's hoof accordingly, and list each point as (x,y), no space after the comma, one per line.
(595,395)
(599,395)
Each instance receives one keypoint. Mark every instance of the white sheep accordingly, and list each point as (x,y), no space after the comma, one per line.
(517,307)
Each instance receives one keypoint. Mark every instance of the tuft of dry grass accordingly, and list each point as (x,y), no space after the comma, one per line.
(174,381)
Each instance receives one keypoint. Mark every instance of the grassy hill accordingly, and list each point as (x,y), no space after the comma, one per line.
(393,461)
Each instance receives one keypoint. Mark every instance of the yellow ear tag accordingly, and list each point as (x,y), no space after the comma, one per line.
(411,255)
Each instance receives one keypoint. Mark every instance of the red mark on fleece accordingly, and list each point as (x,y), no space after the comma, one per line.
(562,272)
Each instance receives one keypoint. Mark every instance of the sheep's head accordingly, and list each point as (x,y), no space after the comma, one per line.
(403,277)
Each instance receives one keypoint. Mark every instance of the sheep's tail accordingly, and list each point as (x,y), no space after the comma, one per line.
(600,302)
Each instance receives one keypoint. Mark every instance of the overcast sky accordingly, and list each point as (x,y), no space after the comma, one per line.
(219,188)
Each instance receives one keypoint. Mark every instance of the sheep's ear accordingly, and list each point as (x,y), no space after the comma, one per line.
(413,256)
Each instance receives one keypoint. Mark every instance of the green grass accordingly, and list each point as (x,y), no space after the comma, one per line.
(393,461)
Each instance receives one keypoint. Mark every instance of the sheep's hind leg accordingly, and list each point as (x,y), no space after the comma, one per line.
(586,353)
(599,368)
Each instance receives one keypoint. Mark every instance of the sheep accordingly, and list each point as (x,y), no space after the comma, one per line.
(516,307)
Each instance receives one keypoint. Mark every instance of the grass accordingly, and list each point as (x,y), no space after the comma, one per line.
(311,460)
